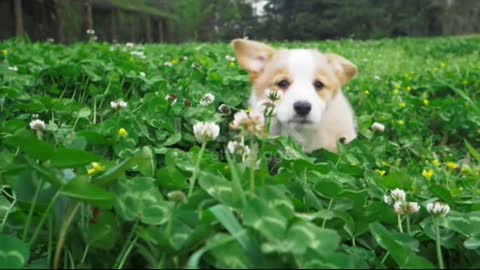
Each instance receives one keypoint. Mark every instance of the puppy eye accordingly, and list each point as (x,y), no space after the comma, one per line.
(284,84)
(318,85)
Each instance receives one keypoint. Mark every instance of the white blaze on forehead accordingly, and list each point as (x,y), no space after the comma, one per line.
(301,65)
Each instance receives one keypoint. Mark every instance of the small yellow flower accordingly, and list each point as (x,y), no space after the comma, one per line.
(478,131)
(443,65)
(428,174)
(452,165)
(5,52)
(366,92)
(465,82)
(231,64)
(380,172)
(397,86)
(96,168)
(354,164)
(249,110)
(409,89)
(122,133)
(384,164)
(395,92)
(426,102)
(401,122)
(403,105)
(174,62)
(436,163)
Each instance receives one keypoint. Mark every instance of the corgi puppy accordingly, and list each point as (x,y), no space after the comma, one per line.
(312,108)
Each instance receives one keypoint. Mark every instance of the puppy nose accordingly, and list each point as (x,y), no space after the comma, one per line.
(302,108)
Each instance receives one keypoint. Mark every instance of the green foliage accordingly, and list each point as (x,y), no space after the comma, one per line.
(128,191)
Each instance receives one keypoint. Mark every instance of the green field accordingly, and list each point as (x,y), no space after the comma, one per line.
(103,187)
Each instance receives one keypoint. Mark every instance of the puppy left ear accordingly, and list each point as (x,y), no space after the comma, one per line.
(344,69)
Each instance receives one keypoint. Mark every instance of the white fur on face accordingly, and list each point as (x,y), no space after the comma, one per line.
(302,67)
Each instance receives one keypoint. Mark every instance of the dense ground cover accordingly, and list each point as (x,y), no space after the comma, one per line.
(104,181)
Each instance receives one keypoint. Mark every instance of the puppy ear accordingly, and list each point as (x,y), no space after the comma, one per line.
(344,69)
(252,55)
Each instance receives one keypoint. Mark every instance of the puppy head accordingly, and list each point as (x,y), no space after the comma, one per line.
(307,79)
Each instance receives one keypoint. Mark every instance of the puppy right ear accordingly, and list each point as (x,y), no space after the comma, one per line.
(252,55)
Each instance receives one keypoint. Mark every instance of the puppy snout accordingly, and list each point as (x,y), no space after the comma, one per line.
(302,108)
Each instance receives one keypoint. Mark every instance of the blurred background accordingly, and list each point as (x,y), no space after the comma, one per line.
(176,21)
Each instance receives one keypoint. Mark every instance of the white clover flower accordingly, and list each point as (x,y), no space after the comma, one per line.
(230,58)
(239,118)
(224,109)
(50,40)
(274,95)
(237,148)
(387,199)
(13,68)
(90,32)
(207,99)
(130,44)
(122,104)
(438,209)
(168,64)
(398,195)
(252,122)
(398,206)
(114,105)
(406,208)
(184,58)
(172,99)
(138,54)
(117,105)
(37,125)
(378,127)
(376,77)
(412,208)
(268,108)
(142,74)
(206,132)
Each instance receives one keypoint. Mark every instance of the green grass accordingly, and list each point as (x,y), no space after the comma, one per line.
(79,195)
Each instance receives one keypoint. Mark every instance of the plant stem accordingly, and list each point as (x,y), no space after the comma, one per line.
(409,231)
(121,256)
(441,264)
(127,252)
(50,239)
(385,257)
(193,180)
(253,165)
(85,252)
(400,226)
(14,200)
(330,204)
(44,217)
(62,235)
(94,110)
(26,230)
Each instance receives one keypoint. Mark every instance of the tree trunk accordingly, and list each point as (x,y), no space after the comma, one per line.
(59,17)
(161,35)
(89,15)
(132,27)
(113,26)
(149,29)
(19,18)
